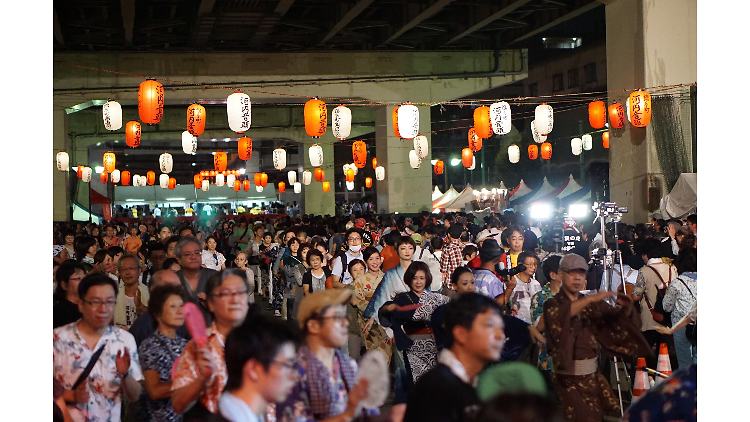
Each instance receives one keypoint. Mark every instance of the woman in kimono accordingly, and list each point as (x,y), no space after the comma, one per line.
(409,315)
(364,287)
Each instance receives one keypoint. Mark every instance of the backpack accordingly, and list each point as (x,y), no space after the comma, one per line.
(657,309)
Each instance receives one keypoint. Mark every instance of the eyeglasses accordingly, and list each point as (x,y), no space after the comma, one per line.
(289,364)
(225,295)
(351,239)
(97,303)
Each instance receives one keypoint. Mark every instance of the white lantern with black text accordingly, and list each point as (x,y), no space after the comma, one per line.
(500,117)
(587,142)
(219,180)
(189,143)
(380,173)
(166,163)
(204,185)
(420,146)
(115,176)
(307,177)
(514,153)
(63,161)
(538,137)
(279,159)
(112,114)
(297,187)
(544,118)
(164,180)
(230,180)
(316,155)
(341,122)
(292,177)
(414,160)
(349,185)
(408,121)
(238,111)
(576,146)
(86,174)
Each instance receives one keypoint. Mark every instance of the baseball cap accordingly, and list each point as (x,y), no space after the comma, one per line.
(315,302)
(572,262)
(360,223)
(510,377)
(417,238)
(455,231)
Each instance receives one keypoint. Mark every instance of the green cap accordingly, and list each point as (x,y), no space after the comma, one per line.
(510,377)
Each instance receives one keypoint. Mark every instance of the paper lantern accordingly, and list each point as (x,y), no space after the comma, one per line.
(166,163)
(104,177)
(483,122)
(514,154)
(394,119)
(282,187)
(238,185)
(500,117)
(439,167)
(172,183)
(316,155)
(108,161)
(605,139)
(164,180)
(112,115)
(245,148)
(292,177)
(144,181)
(380,173)
(544,118)
(306,177)
(368,182)
(353,167)
(79,171)
(257,179)
(115,176)
(639,108)
(196,119)
(279,159)
(150,102)
(319,174)
(205,184)
(587,142)
(359,153)
(246,185)
(150,178)
(420,146)
(533,152)
(466,155)
(230,180)
(349,185)
(538,137)
(297,187)
(133,134)
(616,116)
(63,161)
(219,180)
(597,114)
(238,111)
(326,186)
(263,179)
(475,142)
(189,143)
(414,160)
(316,118)
(473,163)
(408,121)
(374,163)
(576,146)
(136,180)
(341,122)
(350,175)
(259,189)
(125,178)
(546,151)
(220,161)
(197,181)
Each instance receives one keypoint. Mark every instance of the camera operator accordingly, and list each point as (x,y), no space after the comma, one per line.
(485,278)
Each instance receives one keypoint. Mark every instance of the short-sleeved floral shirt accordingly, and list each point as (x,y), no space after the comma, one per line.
(158,353)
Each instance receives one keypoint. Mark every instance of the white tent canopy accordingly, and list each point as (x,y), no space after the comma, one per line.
(461,201)
(572,187)
(682,199)
(446,198)
(522,190)
(545,190)
(436,193)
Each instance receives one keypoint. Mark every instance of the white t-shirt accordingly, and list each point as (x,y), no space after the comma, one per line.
(130,314)
(520,299)
(347,278)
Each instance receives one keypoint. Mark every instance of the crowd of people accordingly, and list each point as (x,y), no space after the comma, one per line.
(478,320)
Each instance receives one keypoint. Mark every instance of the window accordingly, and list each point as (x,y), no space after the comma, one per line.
(533,91)
(589,73)
(573,78)
(557,82)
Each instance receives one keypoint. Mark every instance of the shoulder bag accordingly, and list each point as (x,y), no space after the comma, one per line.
(657,309)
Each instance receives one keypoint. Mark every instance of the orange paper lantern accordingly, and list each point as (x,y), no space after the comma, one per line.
(639,104)
(482,122)
(597,114)
(546,151)
(108,161)
(220,161)
(237,185)
(475,142)
(257,179)
(263,179)
(326,186)
(319,174)
(616,116)
(368,182)
(150,178)
(196,119)
(395,121)
(245,148)
(197,181)
(104,177)
(125,178)
(282,187)
(133,134)
(79,172)
(605,139)
(374,163)
(439,167)
(467,158)
(533,152)
(359,153)
(151,102)
(246,185)
(349,175)
(172,183)
(316,118)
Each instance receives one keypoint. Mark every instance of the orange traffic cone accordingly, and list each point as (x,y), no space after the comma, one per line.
(641,379)
(663,365)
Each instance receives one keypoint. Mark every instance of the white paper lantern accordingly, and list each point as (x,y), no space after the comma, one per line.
(204,185)
(538,137)
(164,180)
(219,180)
(189,143)
(144,181)
(316,155)
(86,174)
(380,173)
(297,187)
(63,161)
(292,177)
(116,176)
(165,163)
(500,117)
(473,163)
(349,185)
(408,121)
(112,114)
(341,122)
(136,180)
(587,142)
(230,180)
(514,153)
(307,177)
(414,160)
(544,118)
(576,146)
(279,159)
(259,189)
(238,111)
(351,166)
(420,146)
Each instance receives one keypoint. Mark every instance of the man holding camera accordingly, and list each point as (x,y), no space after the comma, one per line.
(485,278)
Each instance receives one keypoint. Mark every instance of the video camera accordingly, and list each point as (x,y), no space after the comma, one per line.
(607,208)
(502,271)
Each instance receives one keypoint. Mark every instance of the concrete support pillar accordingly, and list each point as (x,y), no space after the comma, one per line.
(315,200)
(648,44)
(404,189)
(60,180)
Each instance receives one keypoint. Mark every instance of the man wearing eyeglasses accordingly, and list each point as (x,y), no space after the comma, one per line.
(341,277)
(109,350)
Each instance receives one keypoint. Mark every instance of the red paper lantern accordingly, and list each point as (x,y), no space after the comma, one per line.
(349,175)
(616,116)
(374,163)
(475,142)
(237,185)
(220,161)
(546,151)
(533,152)
(151,102)
(263,179)
(319,174)
(245,148)
(639,103)
(359,152)
(439,167)
(597,114)
(316,118)
(395,122)
(196,119)
(326,186)
(104,177)
(605,140)
(368,182)
(108,161)
(257,179)
(150,178)
(467,158)
(125,178)
(482,122)
(172,183)
(282,187)
(133,134)
(79,172)
(246,185)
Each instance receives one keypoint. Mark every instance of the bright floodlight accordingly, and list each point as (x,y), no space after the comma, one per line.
(455,162)
(98,169)
(433,162)
(578,210)
(541,211)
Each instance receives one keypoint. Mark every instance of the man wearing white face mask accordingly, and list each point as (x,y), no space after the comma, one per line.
(341,277)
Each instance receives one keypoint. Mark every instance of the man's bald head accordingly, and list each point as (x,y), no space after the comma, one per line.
(163,277)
